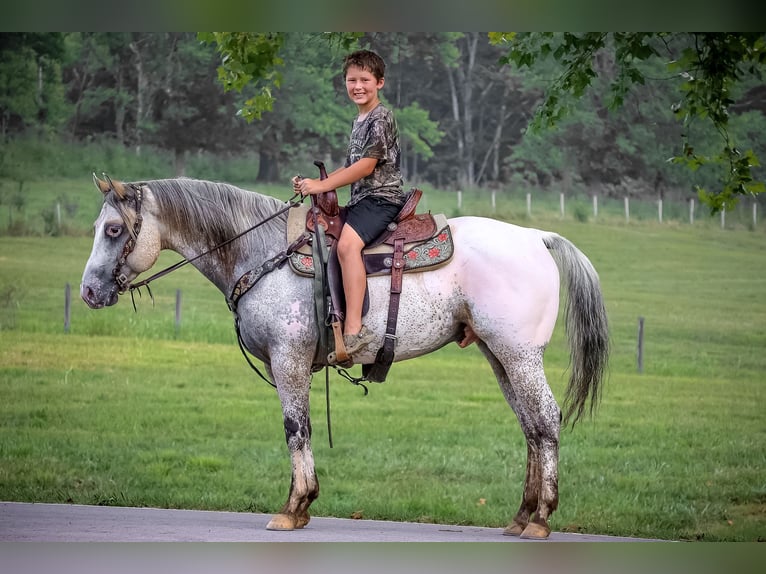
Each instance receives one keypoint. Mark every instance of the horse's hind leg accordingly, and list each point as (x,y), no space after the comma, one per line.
(523,383)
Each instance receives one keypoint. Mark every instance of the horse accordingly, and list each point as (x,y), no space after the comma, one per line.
(502,283)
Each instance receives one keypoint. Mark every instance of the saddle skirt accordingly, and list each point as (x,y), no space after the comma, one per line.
(422,251)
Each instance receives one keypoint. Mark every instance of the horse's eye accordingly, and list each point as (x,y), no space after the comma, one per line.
(113,230)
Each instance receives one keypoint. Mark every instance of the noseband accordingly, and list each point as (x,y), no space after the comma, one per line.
(119,277)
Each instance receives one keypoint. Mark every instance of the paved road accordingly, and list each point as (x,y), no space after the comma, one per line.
(76,523)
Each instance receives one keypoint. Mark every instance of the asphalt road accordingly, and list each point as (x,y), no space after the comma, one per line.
(22,522)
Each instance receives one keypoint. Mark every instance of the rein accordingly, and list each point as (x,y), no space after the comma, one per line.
(185,261)
(254,275)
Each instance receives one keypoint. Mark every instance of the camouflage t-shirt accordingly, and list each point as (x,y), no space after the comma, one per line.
(377,136)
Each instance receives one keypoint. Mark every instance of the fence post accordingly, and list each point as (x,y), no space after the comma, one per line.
(627,209)
(561,204)
(755,213)
(459,200)
(529,204)
(67,307)
(640,344)
(595,206)
(723,218)
(178,311)
(691,211)
(659,209)
(494,205)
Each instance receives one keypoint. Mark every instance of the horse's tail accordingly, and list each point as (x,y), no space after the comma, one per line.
(586,326)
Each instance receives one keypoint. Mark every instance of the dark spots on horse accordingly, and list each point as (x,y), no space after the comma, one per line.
(294,429)
(291,426)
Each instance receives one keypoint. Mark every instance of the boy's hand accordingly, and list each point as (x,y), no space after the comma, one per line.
(296,181)
(307,186)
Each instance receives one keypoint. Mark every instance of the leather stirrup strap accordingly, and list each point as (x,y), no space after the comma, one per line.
(385,356)
(320,254)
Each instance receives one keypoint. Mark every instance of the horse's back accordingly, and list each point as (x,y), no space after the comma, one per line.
(513,251)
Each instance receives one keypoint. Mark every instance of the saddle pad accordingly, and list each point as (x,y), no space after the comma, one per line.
(418,256)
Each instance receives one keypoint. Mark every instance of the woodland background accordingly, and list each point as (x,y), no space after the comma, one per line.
(156,99)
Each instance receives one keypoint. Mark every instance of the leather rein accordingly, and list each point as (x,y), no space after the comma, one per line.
(121,279)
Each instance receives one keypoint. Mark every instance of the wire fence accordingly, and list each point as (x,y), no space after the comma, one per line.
(70,218)
(748,213)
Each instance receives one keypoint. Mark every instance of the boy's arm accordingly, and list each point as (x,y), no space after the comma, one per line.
(340,177)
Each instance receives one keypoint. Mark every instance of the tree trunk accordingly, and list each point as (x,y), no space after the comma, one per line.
(268,168)
(141,81)
(459,135)
(180,162)
(462,111)
(119,109)
(494,149)
(470,139)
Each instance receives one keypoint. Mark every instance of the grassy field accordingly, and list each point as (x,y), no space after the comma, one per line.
(126,410)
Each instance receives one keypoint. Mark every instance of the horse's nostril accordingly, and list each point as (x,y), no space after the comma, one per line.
(87,294)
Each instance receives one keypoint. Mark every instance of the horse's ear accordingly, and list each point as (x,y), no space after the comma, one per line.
(102,186)
(117,186)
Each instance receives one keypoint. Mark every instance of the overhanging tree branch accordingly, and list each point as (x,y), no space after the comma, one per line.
(709,65)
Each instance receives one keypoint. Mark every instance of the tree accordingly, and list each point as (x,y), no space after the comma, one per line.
(301,110)
(413,69)
(418,134)
(31,91)
(308,119)
(17,90)
(707,67)
(190,111)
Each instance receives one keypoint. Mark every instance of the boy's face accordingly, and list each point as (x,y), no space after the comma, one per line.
(362,87)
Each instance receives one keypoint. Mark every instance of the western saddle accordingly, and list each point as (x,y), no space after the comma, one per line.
(412,242)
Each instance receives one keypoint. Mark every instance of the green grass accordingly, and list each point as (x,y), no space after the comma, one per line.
(124,410)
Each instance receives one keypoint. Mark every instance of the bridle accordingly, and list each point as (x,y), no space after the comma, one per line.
(130,244)
(244,284)
(124,285)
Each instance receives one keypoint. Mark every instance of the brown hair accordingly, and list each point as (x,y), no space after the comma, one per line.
(366,60)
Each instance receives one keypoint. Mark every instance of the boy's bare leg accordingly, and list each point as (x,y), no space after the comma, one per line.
(350,247)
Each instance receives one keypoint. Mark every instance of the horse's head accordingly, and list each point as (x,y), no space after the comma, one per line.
(126,242)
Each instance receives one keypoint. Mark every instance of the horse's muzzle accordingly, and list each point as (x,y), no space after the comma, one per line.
(97,300)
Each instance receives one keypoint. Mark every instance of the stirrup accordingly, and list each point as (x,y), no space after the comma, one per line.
(333,360)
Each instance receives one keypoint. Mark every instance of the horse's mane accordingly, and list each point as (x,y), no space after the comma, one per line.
(213,212)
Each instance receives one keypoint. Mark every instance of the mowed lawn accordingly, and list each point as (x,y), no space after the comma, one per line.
(125,409)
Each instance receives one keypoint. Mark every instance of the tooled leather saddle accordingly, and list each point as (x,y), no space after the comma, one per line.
(411,243)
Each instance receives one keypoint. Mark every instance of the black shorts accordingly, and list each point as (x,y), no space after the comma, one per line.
(370,217)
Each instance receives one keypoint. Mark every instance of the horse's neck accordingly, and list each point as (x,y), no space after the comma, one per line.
(224,264)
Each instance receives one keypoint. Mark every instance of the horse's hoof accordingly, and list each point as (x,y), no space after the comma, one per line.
(302,520)
(282,522)
(514,529)
(535,531)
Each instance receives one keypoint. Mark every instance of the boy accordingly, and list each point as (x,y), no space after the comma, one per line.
(372,169)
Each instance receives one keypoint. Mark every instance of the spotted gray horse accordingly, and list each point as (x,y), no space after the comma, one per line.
(501,285)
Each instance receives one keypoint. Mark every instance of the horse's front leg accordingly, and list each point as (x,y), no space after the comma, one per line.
(304,486)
